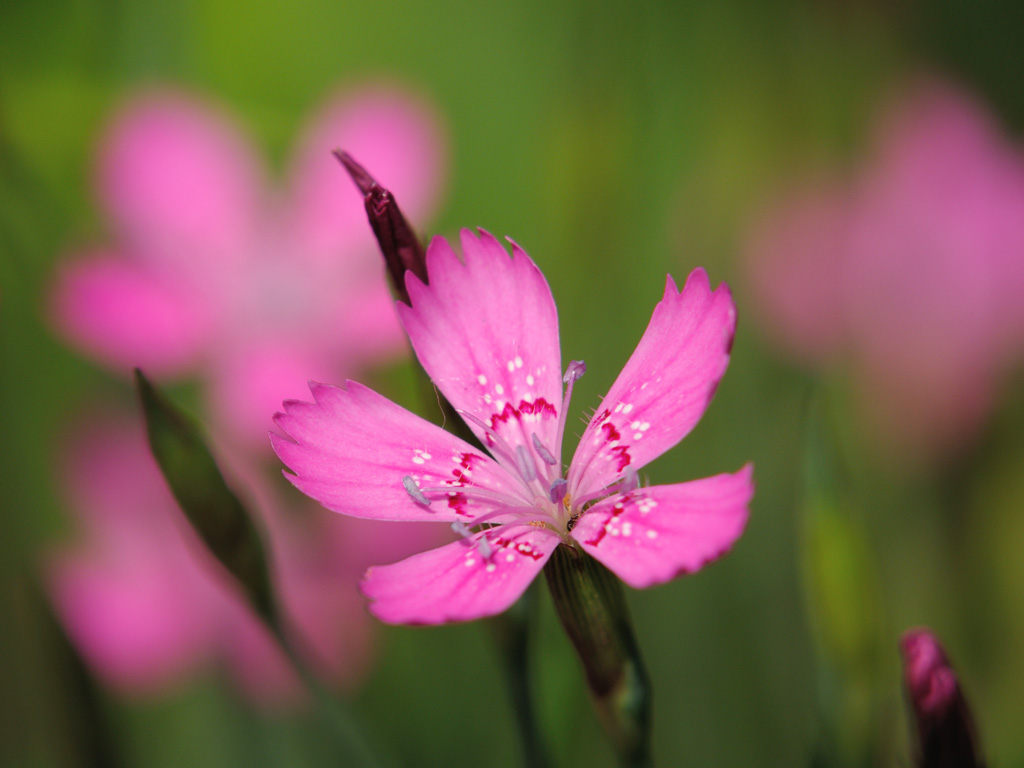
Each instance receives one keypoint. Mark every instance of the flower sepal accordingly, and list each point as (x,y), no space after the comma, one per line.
(592,608)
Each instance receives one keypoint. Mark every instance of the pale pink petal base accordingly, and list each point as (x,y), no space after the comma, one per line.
(651,535)
(457,582)
(664,388)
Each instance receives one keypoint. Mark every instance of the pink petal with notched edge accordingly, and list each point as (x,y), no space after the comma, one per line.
(456,582)
(351,449)
(180,181)
(393,133)
(651,535)
(664,388)
(486,332)
(127,317)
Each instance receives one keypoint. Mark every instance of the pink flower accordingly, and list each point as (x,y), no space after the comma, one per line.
(913,270)
(486,332)
(213,274)
(149,608)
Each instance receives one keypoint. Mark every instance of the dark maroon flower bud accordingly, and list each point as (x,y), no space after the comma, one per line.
(945,730)
(402,250)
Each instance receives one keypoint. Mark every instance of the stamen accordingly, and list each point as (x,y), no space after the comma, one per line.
(486,550)
(414,490)
(557,490)
(524,462)
(575,370)
(499,441)
(630,481)
(543,452)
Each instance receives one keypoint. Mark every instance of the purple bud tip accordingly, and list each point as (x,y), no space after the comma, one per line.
(360,176)
(945,729)
(575,370)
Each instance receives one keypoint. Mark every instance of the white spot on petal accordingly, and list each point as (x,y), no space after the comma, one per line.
(482,379)
(519,361)
(500,389)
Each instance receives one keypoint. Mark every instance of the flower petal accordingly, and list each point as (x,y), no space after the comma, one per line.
(487,334)
(396,136)
(352,448)
(120,314)
(180,180)
(456,582)
(664,388)
(652,535)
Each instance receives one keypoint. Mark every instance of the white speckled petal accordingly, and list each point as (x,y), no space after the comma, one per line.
(651,535)
(352,449)
(457,582)
(486,331)
(664,388)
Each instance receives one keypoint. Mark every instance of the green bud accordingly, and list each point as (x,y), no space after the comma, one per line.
(216,514)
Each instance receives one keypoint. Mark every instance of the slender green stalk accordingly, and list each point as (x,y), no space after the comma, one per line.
(592,608)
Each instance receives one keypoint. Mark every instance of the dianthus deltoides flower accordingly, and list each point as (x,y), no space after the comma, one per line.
(486,332)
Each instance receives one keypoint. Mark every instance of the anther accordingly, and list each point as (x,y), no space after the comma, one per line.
(527,470)
(543,452)
(557,490)
(414,490)
(575,370)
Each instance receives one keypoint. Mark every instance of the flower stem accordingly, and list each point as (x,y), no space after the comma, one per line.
(592,608)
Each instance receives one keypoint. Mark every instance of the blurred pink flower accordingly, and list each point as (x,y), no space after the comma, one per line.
(912,271)
(148,607)
(214,275)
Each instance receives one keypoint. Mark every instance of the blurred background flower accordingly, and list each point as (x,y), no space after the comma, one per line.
(910,272)
(250,294)
(617,142)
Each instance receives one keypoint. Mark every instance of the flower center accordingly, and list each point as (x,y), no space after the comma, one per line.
(540,491)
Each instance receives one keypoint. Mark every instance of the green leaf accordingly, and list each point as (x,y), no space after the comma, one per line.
(214,511)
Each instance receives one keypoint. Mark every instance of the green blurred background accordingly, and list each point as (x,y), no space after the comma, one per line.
(615,142)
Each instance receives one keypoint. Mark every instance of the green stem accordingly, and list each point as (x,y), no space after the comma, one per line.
(592,608)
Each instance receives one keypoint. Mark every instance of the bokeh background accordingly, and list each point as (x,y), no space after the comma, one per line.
(615,143)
